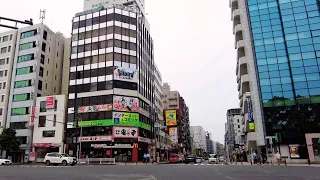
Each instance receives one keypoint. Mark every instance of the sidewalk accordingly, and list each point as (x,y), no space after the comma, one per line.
(274,164)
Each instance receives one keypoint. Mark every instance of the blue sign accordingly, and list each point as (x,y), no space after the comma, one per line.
(116,120)
(250,113)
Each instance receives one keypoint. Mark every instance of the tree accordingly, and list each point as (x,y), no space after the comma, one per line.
(8,140)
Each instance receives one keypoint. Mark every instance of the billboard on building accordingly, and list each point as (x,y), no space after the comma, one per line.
(95,108)
(125,132)
(125,74)
(92,4)
(122,103)
(50,102)
(250,113)
(171,117)
(123,118)
(173,133)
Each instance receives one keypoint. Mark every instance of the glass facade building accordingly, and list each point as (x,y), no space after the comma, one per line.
(286,47)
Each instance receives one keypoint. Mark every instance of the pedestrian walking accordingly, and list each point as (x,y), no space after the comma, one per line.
(277,156)
(145,158)
(255,158)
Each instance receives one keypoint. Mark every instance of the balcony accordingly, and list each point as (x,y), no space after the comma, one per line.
(233,4)
(240,44)
(235,14)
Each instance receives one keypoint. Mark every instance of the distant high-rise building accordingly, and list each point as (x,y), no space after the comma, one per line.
(198,135)
(278,52)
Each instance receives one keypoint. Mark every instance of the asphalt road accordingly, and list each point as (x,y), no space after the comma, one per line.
(159,172)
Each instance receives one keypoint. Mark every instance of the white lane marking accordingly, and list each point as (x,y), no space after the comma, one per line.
(228,177)
(202,164)
(219,173)
(196,164)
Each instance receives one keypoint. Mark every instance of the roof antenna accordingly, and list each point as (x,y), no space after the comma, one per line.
(42,15)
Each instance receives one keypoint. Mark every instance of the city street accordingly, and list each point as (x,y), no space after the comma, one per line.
(159,172)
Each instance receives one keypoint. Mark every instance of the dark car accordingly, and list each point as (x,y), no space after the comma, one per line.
(190,158)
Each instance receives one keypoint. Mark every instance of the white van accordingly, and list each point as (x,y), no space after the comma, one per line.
(213,158)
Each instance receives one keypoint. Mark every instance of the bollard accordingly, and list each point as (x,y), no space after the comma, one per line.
(309,161)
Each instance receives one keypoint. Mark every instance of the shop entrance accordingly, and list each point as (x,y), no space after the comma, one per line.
(316,149)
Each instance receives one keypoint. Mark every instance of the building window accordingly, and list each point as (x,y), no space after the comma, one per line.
(2,98)
(42,59)
(44,46)
(41,72)
(1,73)
(24,70)
(18,125)
(0,111)
(21,97)
(46,86)
(11,37)
(24,83)
(54,121)
(4,85)
(20,111)
(50,133)
(40,85)
(7,60)
(43,105)
(22,139)
(9,48)
(27,57)
(42,121)
(2,61)
(45,34)
(5,38)
(5,72)
(27,46)
(3,50)
(28,34)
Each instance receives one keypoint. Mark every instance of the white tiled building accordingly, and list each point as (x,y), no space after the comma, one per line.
(49,124)
(7,44)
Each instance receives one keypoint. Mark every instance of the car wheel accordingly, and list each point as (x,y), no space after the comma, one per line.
(47,163)
(64,163)
(72,164)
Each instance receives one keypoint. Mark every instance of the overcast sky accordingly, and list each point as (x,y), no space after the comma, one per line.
(194,49)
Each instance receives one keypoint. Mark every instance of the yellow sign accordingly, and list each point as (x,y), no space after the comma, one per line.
(251,126)
(171,118)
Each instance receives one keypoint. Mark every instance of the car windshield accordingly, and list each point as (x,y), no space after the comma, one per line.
(65,155)
(213,156)
(190,156)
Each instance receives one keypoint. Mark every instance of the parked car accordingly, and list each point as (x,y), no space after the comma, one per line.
(221,159)
(174,158)
(57,158)
(190,158)
(5,162)
(213,158)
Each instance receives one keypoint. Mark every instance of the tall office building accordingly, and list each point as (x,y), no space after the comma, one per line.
(36,71)
(278,58)
(7,44)
(110,84)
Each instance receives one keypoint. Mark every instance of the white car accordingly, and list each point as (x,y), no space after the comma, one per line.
(213,158)
(5,162)
(57,158)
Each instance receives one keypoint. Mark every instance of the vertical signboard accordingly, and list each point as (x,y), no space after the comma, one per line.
(171,117)
(50,102)
(250,113)
(33,111)
(173,133)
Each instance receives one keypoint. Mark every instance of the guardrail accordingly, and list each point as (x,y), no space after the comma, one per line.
(97,160)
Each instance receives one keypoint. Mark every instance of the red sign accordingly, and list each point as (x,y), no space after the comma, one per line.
(50,102)
(41,144)
(33,110)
